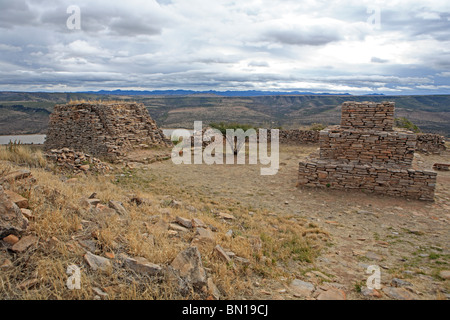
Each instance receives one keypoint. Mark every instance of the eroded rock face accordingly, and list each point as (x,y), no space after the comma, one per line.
(12,220)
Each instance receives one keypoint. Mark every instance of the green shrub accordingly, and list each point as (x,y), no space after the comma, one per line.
(406,124)
(317,127)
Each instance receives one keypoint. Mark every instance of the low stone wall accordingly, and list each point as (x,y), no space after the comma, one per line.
(368,115)
(429,142)
(413,184)
(368,146)
(298,136)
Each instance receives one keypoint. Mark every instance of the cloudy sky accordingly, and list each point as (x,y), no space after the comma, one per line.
(354,46)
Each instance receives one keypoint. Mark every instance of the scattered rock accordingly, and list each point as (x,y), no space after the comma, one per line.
(142,266)
(16,175)
(100,292)
(332,294)
(241,260)
(89,245)
(184,222)
(11,239)
(171,275)
(110,255)
(301,288)
(198,223)
(400,283)
(221,254)
(140,201)
(444,274)
(212,289)
(204,238)
(20,201)
(175,204)
(189,265)
(27,213)
(398,293)
(366,292)
(229,233)
(23,244)
(225,216)
(177,227)
(97,262)
(93,202)
(116,205)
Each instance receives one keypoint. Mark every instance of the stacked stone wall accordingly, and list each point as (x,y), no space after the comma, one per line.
(108,130)
(365,153)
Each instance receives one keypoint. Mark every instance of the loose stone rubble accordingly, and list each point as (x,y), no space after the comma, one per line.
(429,142)
(77,162)
(365,153)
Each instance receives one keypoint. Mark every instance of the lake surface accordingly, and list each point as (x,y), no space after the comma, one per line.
(24,139)
(40,138)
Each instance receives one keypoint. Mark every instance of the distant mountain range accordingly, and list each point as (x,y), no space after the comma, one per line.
(28,112)
(248,93)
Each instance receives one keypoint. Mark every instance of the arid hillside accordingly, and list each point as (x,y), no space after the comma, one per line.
(23,113)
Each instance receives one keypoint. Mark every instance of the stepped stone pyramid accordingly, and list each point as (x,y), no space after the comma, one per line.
(365,153)
(104,129)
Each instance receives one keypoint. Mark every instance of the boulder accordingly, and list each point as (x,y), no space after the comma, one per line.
(23,244)
(189,265)
(302,288)
(20,201)
(12,220)
(116,205)
(97,262)
(142,266)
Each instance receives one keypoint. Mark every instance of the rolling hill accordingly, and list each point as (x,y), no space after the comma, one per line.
(27,113)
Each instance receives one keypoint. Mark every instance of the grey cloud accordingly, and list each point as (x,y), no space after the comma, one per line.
(378,60)
(313,37)
(17,12)
(258,64)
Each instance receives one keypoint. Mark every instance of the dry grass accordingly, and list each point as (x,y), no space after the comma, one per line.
(61,221)
(23,155)
(98,101)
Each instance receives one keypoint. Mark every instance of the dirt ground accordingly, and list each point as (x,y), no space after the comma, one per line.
(407,239)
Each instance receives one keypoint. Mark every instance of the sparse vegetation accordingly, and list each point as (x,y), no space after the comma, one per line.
(404,123)
(23,155)
(317,127)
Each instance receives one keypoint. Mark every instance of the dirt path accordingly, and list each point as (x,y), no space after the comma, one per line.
(407,239)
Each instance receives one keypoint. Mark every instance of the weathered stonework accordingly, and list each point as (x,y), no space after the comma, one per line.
(429,142)
(365,153)
(108,130)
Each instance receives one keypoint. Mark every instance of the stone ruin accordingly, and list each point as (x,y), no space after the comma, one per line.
(365,153)
(105,129)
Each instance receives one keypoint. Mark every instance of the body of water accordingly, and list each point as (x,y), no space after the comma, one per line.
(40,138)
(24,139)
